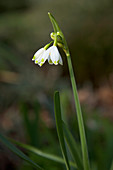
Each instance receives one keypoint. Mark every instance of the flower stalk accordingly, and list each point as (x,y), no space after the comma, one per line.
(76,99)
(79,116)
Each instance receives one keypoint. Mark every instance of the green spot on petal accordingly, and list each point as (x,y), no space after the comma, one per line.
(50,61)
(42,60)
(41,64)
(55,62)
(33,58)
(36,61)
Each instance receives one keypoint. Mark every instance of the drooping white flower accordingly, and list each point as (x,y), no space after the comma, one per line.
(38,54)
(40,57)
(54,56)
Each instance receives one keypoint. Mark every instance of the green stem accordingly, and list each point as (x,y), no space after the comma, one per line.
(77,104)
(79,115)
(55,41)
(47,46)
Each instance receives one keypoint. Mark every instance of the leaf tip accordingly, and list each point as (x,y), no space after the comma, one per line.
(49,13)
(56,92)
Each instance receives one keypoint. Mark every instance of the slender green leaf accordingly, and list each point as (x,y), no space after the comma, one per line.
(73,147)
(60,128)
(18,152)
(41,153)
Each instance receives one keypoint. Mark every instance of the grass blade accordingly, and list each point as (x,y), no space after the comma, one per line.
(73,147)
(60,128)
(41,153)
(18,152)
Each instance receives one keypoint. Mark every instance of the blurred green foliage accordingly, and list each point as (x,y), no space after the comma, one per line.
(24,28)
(99,138)
(87,25)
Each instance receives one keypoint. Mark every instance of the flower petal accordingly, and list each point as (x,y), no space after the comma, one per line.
(49,60)
(38,60)
(60,60)
(42,58)
(38,53)
(54,55)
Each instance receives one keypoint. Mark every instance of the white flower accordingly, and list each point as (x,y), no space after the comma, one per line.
(52,54)
(38,56)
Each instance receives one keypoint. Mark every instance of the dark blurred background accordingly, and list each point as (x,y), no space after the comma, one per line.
(26,91)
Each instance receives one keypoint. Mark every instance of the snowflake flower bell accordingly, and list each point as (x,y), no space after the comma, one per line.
(51,54)
(40,57)
(38,54)
(54,56)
